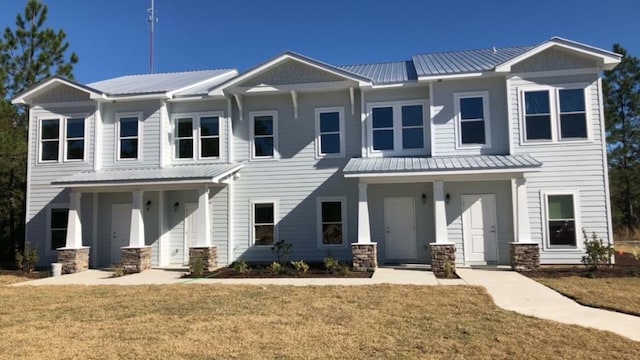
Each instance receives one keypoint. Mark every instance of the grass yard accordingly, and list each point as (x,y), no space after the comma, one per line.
(621,294)
(14,276)
(254,322)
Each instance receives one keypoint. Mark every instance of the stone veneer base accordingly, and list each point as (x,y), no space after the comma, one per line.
(135,260)
(525,256)
(365,257)
(208,255)
(73,260)
(441,255)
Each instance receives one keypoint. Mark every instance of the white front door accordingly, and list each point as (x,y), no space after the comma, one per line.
(479,229)
(400,228)
(120,228)
(190,229)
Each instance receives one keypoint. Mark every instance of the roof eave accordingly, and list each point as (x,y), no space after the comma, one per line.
(24,97)
(436,173)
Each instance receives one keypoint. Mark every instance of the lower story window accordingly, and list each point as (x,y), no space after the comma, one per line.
(561,220)
(331,221)
(263,226)
(58,226)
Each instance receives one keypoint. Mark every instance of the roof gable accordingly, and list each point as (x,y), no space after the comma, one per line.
(45,88)
(555,58)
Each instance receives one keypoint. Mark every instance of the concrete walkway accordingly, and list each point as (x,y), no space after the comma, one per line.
(515,292)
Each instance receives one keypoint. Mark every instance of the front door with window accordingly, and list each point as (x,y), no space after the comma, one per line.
(120,227)
(479,229)
(400,229)
(190,229)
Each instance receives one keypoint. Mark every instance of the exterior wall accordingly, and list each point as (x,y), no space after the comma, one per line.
(445,136)
(149,137)
(61,93)
(424,216)
(554,59)
(578,165)
(297,178)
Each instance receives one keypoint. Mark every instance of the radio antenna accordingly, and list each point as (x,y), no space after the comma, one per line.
(152,19)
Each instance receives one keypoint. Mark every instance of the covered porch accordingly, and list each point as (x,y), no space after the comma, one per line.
(148,217)
(446,211)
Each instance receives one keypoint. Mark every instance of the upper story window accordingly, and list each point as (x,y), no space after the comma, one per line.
(264,135)
(329,132)
(472,119)
(396,128)
(197,136)
(128,132)
(554,114)
(62,138)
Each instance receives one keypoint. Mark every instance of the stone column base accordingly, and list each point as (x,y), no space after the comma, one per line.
(525,256)
(73,260)
(135,260)
(208,255)
(443,259)
(365,256)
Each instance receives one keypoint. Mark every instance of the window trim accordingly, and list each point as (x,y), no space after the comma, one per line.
(486,118)
(195,135)
(252,116)
(318,141)
(48,238)
(276,221)
(62,137)
(544,201)
(554,107)
(397,128)
(117,134)
(345,231)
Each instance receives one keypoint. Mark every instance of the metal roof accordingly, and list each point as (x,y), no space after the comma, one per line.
(385,73)
(156,83)
(195,173)
(390,165)
(458,62)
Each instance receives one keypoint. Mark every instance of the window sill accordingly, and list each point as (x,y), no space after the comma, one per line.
(329,156)
(556,142)
(260,159)
(324,247)
(566,249)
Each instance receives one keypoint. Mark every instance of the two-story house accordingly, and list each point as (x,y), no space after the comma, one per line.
(492,156)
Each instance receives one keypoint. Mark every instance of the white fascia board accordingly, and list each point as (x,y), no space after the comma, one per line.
(436,173)
(317,86)
(220,78)
(23,98)
(451,76)
(219,179)
(123,98)
(133,183)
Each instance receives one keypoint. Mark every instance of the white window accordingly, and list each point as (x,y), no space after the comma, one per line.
(332,221)
(553,114)
(329,132)
(62,139)
(396,128)
(561,220)
(57,224)
(264,135)
(128,136)
(197,136)
(264,222)
(472,119)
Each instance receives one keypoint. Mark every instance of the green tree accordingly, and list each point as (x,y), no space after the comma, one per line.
(621,88)
(29,53)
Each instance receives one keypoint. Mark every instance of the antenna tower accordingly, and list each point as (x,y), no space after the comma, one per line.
(152,19)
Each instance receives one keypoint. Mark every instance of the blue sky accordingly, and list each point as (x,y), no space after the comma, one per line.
(111,36)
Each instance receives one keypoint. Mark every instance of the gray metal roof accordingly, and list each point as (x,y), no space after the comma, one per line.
(458,62)
(155,83)
(382,165)
(204,173)
(385,73)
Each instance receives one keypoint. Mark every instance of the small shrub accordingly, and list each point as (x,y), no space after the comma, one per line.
(333,266)
(448,269)
(277,269)
(301,267)
(241,267)
(28,258)
(196,266)
(283,251)
(598,254)
(118,270)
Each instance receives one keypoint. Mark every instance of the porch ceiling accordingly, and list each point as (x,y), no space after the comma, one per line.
(440,165)
(180,174)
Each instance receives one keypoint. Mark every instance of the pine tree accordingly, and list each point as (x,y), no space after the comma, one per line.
(622,110)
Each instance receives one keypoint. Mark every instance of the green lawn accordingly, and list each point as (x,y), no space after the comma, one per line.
(262,322)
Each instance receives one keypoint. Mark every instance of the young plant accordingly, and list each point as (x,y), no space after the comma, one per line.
(28,258)
(283,251)
(448,269)
(301,267)
(333,266)
(118,270)
(277,268)
(196,267)
(598,255)
(241,267)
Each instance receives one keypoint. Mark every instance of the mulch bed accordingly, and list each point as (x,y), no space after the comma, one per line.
(316,270)
(626,265)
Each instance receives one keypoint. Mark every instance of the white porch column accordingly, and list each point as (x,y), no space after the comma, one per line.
(204,220)
(364,232)
(524,231)
(440,213)
(136,234)
(74,226)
